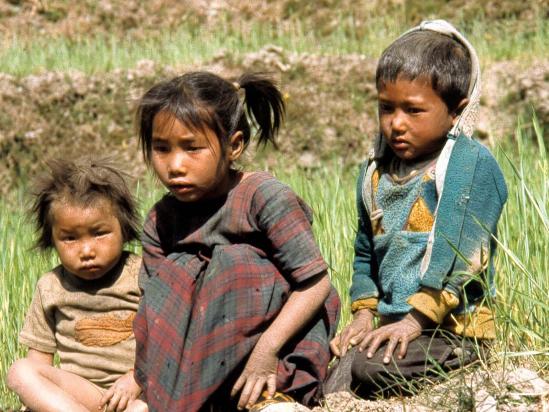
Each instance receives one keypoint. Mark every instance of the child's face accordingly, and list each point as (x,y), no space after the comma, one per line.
(191,164)
(414,120)
(88,239)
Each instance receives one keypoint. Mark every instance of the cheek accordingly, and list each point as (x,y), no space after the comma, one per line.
(157,165)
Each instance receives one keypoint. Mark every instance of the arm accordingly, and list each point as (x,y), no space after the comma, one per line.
(261,367)
(443,289)
(364,291)
(284,221)
(153,253)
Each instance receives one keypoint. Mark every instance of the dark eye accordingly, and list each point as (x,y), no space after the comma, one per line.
(160,147)
(415,110)
(100,233)
(385,108)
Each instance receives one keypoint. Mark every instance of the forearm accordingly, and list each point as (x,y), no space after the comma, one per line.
(300,308)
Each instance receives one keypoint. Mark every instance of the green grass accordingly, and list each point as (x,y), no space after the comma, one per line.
(504,40)
(522,264)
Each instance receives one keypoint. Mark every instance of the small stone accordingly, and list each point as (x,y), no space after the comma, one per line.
(484,402)
(528,382)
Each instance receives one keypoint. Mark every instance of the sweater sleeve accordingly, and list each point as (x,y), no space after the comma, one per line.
(477,246)
(364,281)
(286,220)
(462,284)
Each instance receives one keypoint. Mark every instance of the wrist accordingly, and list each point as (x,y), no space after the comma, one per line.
(364,313)
(269,344)
(419,318)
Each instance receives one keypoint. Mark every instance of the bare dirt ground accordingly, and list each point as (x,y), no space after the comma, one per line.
(331,108)
(479,390)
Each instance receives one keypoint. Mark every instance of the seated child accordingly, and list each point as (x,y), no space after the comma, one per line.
(84,308)
(236,296)
(429,199)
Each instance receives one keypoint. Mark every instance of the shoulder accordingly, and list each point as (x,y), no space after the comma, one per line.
(132,264)
(51,287)
(262,187)
(51,281)
(362,171)
(126,285)
(264,183)
(469,150)
(488,163)
(269,196)
(487,171)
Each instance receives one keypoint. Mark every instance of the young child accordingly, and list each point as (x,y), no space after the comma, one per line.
(429,200)
(236,296)
(84,308)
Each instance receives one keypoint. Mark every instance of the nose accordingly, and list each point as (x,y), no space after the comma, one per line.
(177,165)
(87,251)
(398,122)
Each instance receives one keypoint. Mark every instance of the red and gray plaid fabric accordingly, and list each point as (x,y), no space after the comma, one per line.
(214,277)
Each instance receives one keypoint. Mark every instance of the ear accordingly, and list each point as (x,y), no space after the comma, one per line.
(464,102)
(236,146)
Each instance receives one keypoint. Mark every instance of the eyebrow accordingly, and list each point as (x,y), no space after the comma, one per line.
(407,100)
(189,136)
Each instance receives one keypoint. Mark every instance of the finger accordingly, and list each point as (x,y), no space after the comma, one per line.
(256,391)
(377,341)
(334,346)
(403,348)
(113,402)
(349,333)
(238,385)
(389,350)
(366,340)
(246,392)
(271,385)
(355,340)
(105,398)
(122,404)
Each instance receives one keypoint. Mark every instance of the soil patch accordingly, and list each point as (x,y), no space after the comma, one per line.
(331,109)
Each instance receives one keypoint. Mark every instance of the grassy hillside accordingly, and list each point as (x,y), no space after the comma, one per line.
(521,263)
(70,73)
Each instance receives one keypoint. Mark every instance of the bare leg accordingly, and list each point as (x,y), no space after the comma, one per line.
(137,406)
(45,388)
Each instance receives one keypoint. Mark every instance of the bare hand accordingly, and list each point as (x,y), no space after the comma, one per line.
(401,332)
(353,334)
(123,391)
(260,370)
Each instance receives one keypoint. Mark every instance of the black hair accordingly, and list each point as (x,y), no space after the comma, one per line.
(441,59)
(85,182)
(205,100)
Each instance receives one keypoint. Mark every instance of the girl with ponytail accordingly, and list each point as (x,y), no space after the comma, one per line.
(237,308)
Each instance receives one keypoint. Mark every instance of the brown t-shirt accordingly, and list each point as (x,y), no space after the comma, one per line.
(88,323)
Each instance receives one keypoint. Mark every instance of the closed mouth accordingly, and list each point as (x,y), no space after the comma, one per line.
(180,187)
(91,268)
(399,143)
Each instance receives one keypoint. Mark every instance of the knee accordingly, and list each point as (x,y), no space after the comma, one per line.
(368,370)
(16,374)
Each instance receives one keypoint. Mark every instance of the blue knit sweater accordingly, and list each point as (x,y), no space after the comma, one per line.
(388,252)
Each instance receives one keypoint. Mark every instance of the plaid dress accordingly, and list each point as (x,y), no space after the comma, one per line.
(214,277)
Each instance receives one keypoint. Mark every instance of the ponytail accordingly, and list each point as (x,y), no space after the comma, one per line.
(264,105)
